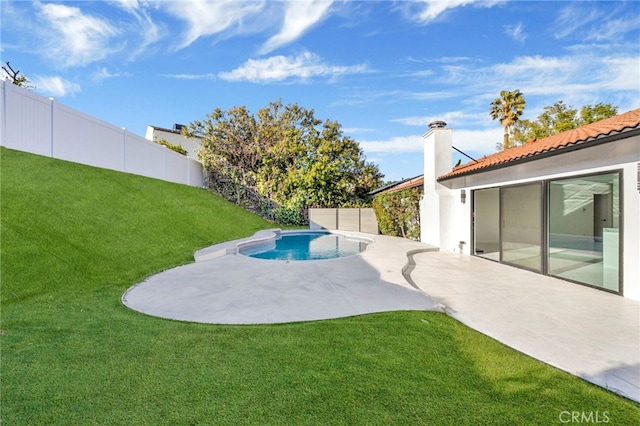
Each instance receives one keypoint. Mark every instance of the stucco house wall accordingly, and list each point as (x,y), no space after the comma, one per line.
(446,214)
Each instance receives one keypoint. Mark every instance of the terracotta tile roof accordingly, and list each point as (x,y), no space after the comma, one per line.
(584,134)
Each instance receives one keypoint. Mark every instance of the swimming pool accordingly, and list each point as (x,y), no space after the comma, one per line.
(305,246)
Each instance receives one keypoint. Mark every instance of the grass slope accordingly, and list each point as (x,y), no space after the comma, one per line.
(74,238)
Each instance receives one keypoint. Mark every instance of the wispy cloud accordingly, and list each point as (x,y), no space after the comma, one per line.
(433,9)
(457,119)
(104,74)
(208,76)
(55,86)
(572,18)
(516,32)
(398,144)
(81,39)
(145,26)
(473,142)
(205,18)
(364,96)
(357,130)
(430,10)
(477,142)
(562,77)
(280,68)
(613,29)
(299,17)
(621,73)
(585,22)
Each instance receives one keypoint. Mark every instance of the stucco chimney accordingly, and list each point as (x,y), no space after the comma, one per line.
(437,198)
(437,152)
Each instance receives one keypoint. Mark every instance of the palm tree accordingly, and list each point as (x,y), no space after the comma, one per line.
(508,109)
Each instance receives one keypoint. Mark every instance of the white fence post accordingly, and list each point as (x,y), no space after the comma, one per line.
(124,149)
(188,171)
(164,162)
(53,108)
(3,114)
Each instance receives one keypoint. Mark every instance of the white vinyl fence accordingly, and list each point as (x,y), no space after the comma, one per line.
(32,123)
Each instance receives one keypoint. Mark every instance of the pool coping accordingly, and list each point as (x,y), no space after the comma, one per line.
(223,287)
(262,237)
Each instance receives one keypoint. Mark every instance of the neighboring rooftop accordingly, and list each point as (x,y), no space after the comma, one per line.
(177,128)
(413,182)
(589,134)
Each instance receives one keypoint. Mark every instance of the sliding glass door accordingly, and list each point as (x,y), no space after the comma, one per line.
(584,224)
(568,228)
(521,225)
(486,230)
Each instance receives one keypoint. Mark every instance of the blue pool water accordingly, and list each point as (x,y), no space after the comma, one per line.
(306,246)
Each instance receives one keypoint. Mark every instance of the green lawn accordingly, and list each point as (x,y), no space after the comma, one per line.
(74,238)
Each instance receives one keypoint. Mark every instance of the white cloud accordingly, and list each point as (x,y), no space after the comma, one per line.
(396,145)
(128,5)
(357,130)
(621,74)
(474,143)
(452,118)
(614,29)
(146,28)
(205,17)
(279,68)
(103,74)
(572,18)
(433,9)
(55,86)
(420,74)
(299,16)
(81,38)
(430,10)
(528,67)
(585,22)
(516,32)
(477,142)
(561,77)
(208,76)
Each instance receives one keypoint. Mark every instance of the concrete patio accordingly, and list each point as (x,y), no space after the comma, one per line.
(586,332)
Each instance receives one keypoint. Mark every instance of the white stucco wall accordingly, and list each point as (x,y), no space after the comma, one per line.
(631,230)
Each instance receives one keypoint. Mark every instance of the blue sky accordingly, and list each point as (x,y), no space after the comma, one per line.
(383,69)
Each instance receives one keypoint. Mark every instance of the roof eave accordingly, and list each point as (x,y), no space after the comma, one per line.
(587,143)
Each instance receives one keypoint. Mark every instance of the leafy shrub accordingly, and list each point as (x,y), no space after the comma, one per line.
(290,216)
(177,148)
(398,213)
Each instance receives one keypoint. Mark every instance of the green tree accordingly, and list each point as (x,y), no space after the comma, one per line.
(229,145)
(592,113)
(507,109)
(288,155)
(557,118)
